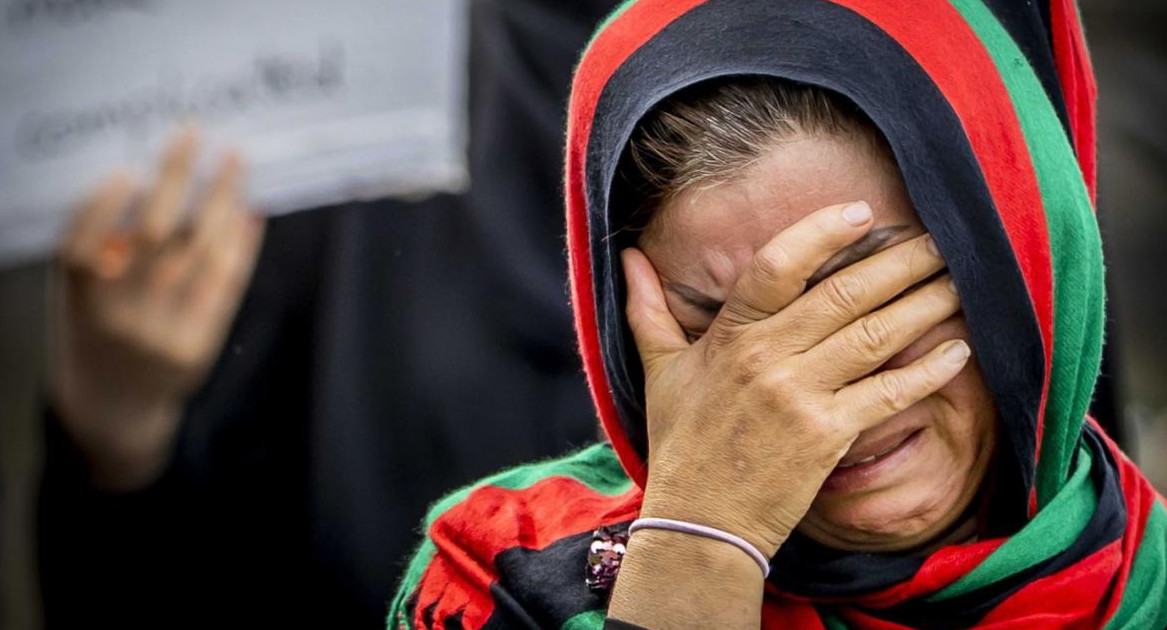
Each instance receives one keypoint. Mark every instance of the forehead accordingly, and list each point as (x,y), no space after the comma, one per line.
(707,234)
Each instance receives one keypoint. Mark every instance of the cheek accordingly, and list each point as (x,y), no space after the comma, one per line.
(964,425)
(964,416)
(968,425)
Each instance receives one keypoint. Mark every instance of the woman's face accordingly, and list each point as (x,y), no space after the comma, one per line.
(700,241)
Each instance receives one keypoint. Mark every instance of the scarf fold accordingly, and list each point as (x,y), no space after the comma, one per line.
(988,106)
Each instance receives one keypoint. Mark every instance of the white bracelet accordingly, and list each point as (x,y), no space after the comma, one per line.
(683,527)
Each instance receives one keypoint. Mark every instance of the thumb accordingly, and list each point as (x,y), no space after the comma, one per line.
(658,335)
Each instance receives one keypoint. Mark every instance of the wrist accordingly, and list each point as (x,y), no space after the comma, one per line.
(703,531)
(700,578)
(126,440)
(765,539)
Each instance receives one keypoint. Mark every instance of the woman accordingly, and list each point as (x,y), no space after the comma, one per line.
(838,413)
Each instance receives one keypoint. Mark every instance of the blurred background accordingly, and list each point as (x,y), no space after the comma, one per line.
(333,272)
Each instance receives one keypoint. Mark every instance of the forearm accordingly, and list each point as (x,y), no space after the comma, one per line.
(672,580)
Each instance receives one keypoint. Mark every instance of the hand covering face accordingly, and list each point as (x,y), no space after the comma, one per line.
(988,106)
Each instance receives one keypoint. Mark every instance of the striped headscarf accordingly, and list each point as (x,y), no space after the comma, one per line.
(988,106)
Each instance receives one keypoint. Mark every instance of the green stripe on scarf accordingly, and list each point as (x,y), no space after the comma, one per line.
(595,467)
(1144,601)
(1051,532)
(590,620)
(1077,272)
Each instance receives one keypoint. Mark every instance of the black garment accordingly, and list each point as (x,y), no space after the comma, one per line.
(385,353)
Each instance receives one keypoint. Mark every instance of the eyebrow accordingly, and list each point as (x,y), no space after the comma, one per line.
(872,242)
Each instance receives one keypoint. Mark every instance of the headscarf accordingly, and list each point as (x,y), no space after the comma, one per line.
(988,107)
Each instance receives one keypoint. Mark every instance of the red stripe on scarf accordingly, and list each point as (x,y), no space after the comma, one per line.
(934,34)
(1139,496)
(1076,75)
(491,520)
(627,33)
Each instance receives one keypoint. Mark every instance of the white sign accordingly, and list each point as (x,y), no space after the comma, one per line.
(329,100)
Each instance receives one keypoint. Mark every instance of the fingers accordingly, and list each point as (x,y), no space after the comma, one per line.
(869,342)
(221,204)
(215,228)
(221,278)
(165,202)
(98,221)
(855,291)
(877,397)
(657,333)
(778,272)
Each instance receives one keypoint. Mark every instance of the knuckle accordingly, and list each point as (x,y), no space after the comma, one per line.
(752,363)
(844,292)
(873,334)
(776,386)
(891,391)
(770,263)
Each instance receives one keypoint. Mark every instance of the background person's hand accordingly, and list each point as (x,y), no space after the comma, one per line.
(747,422)
(144,302)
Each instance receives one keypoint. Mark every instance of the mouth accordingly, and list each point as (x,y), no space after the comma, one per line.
(862,466)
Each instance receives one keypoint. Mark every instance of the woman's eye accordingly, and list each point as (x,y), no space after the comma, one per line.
(692,337)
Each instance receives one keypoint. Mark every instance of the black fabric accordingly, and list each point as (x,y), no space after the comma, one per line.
(1028,25)
(385,353)
(1105,526)
(831,47)
(548,583)
(938,166)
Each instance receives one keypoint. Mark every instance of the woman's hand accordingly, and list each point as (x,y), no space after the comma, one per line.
(745,424)
(144,304)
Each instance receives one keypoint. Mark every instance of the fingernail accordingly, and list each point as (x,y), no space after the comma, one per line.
(857,213)
(957,352)
(952,285)
(932,245)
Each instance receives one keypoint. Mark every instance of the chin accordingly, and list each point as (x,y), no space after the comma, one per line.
(890,520)
(903,505)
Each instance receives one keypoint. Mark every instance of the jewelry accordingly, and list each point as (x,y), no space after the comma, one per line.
(604,555)
(705,532)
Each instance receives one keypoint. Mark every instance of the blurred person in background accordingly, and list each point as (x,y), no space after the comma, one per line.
(246,422)
(265,482)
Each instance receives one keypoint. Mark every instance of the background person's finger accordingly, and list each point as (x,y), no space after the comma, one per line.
(223,271)
(213,228)
(778,272)
(98,219)
(222,202)
(855,291)
(867,343)
(656,331)
(874,399)
(164,204)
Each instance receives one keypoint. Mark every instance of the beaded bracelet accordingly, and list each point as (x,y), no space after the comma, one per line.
(683,527)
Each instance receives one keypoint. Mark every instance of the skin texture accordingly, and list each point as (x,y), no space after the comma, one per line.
(769,360)
(143,303)
(705,238)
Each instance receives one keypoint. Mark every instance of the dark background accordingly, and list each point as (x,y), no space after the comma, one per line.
(1130,56)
